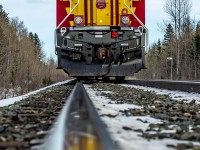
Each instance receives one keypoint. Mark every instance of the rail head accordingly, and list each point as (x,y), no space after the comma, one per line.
(79,125)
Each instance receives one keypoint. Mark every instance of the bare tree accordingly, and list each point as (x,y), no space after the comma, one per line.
(178,11)
(22,61)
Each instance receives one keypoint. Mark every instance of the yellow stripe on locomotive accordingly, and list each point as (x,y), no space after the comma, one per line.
(100,17)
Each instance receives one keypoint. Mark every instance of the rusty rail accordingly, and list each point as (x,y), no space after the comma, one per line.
(79,127)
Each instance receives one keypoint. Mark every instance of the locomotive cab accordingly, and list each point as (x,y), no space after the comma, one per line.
(97,38)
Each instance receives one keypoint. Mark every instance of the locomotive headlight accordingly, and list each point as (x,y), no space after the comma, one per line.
(125,19)
(78,20)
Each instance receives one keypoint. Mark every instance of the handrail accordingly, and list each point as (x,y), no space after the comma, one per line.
(141,23)
(71,9)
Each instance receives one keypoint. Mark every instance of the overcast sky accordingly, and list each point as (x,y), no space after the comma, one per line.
(39,17)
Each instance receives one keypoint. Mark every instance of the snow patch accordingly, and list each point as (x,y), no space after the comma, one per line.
(9,101)
(176,95)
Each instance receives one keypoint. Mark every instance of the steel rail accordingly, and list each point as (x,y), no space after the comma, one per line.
(186,86)
(79,127)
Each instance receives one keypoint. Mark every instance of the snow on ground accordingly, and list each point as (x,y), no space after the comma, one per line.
(9,101)
(121,127)
(176,95)
(8,93)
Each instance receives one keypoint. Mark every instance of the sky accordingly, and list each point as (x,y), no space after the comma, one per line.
(39,16)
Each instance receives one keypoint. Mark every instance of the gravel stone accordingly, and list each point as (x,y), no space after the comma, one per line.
(181,117)
(21,123)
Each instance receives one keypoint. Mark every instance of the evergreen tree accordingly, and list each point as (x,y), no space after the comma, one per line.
(3,52)
(197,42)
(38,44)
(3,14)
(169,35)
(159,49)
(36,41)
(159,45)
(31,36)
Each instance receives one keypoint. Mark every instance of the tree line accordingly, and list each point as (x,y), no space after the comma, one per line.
(23,65)
(178,54)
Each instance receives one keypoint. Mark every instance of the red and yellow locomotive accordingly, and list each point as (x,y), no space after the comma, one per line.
(101,38)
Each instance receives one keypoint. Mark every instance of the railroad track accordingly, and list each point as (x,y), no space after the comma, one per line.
(186,86)
(127,114)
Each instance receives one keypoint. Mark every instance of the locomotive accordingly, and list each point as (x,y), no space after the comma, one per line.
(101,38)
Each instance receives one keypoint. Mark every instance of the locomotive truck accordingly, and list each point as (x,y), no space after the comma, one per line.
(101,38)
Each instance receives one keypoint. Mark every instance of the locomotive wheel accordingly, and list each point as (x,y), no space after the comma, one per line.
(106,79)
(119,78)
